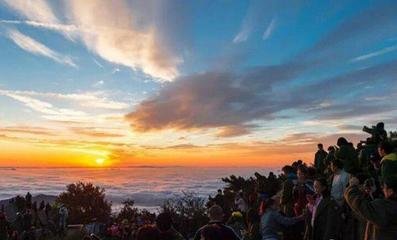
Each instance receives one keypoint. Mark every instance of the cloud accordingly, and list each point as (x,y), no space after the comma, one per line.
(375,54)
(41,106)
(116,39)
(93,132)
(233,131)
(225,99)
(30,45)
(38,10)
(28,130)
(257,13)
(269,30)
(97,100)
(214,99)
(341,42)
(242,36)
(97,63)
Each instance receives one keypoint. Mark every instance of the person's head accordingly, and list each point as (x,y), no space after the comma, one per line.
(287,169)
(385,148)
(321,186)
(148,232)
(336,165)
(215,213)
(380,126)
(164,222)
(302,173)
(311,173)
(211,232)
(320,146)
(331,149)
(342,141)
(390,188)
(219,191)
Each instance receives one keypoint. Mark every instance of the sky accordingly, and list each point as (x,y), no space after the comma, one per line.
(196,83)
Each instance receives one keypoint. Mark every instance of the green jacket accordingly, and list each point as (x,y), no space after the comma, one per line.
(348,156)
(380,214)
(389,165)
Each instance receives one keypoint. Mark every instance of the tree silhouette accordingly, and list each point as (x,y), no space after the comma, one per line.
(85,202)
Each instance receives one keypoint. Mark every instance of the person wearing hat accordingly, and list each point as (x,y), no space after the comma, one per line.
(380,214)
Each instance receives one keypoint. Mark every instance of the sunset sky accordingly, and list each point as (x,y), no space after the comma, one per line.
(236,83)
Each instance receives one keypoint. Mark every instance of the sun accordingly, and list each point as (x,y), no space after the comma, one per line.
(100,161)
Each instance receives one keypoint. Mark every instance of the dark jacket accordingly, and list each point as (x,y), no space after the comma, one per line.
(224,232)
(381,214)
(319,160)
(325,226)
(348,156)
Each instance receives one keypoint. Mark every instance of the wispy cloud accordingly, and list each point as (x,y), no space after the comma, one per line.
(269,30)
(93,132)
(375,54)
(96,100)
(115,39)
(28,130)
(38,10)
(30,45)
(242,36)
(41,106)
(97,63)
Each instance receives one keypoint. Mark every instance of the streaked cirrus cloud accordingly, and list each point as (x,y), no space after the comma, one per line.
(35,10)
(114,37)
(35,47)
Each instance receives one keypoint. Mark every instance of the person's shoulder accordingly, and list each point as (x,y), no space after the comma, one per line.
(226,228)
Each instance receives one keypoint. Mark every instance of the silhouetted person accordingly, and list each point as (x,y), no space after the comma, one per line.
(167,231)
(347,155)
(148,232)
(378,133)
(219,198)
(28,199)
(216,216)
(287,202)
(330,157)
(319,158)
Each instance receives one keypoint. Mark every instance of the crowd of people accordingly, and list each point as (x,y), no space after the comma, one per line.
(23,219)
(348,193)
